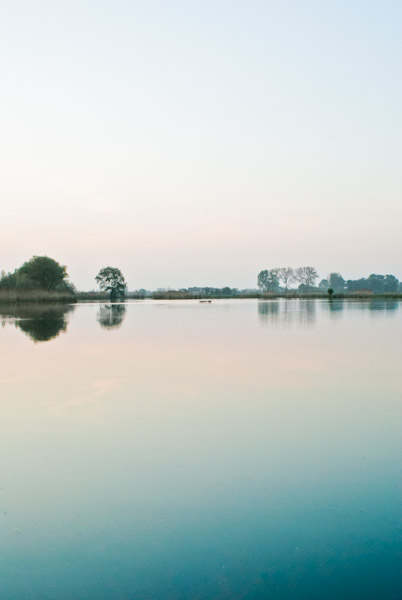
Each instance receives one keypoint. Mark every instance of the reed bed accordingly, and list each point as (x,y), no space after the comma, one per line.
(19,296)
(93,296)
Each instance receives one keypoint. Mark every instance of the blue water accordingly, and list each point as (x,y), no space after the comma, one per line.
(241,450)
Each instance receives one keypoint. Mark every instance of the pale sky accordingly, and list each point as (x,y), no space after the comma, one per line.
(197,142)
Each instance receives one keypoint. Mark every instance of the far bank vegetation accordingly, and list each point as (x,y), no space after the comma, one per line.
(43,279)
(40,279)
(291,282)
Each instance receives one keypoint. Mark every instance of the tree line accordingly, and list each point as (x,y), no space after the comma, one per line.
(44,273)
(378,284)
(47,275)
(281,279)
(38,273)
(269,280)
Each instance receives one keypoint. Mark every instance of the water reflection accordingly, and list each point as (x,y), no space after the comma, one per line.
(197,453)
(287,312)
(40,322)
(111,316)
(375,305)
(335,307)
(293,312)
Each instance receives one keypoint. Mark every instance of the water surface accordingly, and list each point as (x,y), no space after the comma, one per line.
(175,450)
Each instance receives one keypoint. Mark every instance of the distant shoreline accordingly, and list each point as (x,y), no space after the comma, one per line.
(24,296)
(270,296)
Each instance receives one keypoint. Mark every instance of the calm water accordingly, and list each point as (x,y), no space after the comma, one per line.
(241,450)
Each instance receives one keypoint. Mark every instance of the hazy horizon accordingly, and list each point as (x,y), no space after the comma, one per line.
(193,143)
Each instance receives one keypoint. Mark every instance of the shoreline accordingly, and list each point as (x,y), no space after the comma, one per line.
(82,297)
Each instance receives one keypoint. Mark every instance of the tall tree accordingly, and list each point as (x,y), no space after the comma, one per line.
(273,279)
(110,279)
(336,282)
(268,280)
(306,276)
(262,280)
(287,275)
(42,272)
(391,283)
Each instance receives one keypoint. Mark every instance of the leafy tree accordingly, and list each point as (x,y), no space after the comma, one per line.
(356,285)
(375,283)
(273,279)
(262,280)
(8,281)
(110,279)
(391,283)
(43,273)
(227,291)
(268,280)
(336,282)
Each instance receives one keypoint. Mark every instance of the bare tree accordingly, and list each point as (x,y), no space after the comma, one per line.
(287,275)
(311,276)
(306,276)
(299,274)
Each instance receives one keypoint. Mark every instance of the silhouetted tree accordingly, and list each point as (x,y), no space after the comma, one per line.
(110,279)
(43,273)
(8,281)
(391,283)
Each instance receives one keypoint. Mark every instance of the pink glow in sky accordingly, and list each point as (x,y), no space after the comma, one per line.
(198,143)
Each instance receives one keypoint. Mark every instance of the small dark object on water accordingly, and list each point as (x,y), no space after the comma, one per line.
(205,301)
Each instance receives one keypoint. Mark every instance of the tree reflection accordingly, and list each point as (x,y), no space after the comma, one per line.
(111,316)
(387,305)
(335,307)
(268,311)
(40,322)
(286,313)
(375,306)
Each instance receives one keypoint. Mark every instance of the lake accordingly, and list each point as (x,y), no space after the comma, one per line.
(242,450)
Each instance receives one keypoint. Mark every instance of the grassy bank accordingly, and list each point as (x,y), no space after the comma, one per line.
(105,296)
(93,296)
(19,296)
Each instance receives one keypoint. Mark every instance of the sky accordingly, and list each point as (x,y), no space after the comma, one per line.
(197,142)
